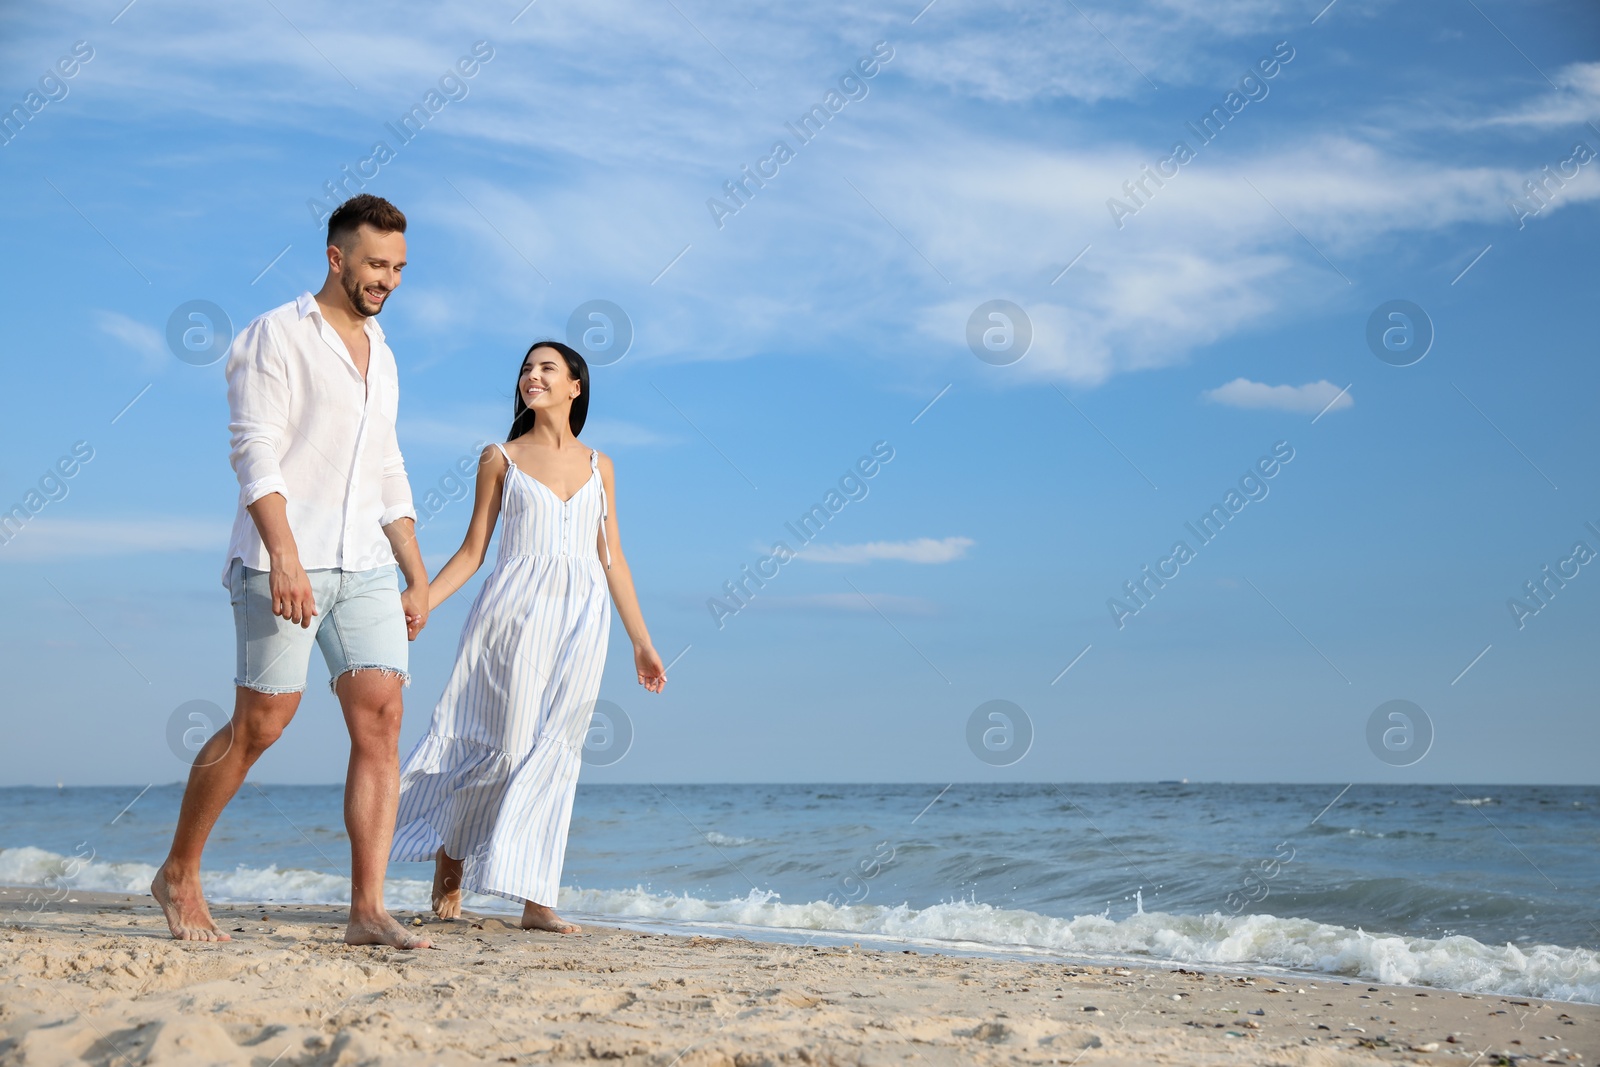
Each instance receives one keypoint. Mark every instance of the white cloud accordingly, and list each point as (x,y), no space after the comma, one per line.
(49,538)
(1205,259)
(1014,51)
(1575,100)
(143,339)
(1312,397)
(920,550)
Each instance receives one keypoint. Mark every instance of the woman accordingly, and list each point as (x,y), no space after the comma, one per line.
(487,793)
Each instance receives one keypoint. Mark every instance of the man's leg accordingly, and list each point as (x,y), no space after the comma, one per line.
(218,771)
(370,699)
(270,670)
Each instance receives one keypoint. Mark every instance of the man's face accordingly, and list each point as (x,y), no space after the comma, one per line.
(369,269)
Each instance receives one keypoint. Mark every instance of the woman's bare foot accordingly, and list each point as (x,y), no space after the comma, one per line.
(185,908)
(446,886)
(539,917)
(382,929)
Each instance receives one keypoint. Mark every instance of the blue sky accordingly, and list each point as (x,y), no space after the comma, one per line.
(1227,313)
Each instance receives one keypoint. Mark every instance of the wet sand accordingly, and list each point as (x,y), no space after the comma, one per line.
(95,979)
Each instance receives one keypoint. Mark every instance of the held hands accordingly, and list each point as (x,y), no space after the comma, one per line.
(652,675)
(291,592)
(415,602)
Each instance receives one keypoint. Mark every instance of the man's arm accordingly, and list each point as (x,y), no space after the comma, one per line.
(258,407)
(399,526)
(408,555)
(291,586)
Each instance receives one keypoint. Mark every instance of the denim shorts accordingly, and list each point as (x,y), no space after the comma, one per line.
(359,624)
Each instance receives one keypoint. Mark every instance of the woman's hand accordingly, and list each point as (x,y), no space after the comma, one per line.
(652,675)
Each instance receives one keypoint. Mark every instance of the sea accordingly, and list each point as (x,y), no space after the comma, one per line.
(1489,889)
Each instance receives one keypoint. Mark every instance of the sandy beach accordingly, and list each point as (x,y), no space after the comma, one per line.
(95,979)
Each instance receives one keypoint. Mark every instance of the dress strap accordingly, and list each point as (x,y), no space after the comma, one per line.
(503,452)
(594,466)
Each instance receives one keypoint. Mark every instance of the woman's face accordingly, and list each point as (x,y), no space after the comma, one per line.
(545,381)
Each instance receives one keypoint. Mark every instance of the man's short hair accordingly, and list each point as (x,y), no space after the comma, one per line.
(375,211)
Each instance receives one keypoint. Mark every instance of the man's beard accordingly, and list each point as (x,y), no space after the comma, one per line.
(358,299)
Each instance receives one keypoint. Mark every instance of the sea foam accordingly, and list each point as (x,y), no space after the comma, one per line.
(1455,962)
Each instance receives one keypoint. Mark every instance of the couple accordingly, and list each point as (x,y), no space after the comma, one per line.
(325,516)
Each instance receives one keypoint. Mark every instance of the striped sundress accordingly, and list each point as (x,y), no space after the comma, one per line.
(494,777)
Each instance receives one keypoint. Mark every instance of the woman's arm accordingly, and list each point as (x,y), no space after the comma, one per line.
(464,564)
(620,581)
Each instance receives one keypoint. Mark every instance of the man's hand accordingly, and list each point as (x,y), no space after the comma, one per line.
(415,602)
(291,591)
(290,585)
(408,558)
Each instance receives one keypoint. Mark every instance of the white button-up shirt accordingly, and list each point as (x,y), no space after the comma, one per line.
(305,424)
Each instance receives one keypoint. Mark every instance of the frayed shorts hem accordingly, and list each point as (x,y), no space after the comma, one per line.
(269,690)
(404,676)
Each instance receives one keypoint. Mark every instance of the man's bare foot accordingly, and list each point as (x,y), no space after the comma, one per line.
(185,908)
(382,930)
(539,917)
(446,886)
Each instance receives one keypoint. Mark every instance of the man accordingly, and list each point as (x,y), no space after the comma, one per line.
(324,514)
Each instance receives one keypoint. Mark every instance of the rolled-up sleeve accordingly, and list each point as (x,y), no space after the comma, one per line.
(258,412)
(397,502)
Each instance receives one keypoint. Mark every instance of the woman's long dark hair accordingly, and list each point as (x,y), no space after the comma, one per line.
(522,415)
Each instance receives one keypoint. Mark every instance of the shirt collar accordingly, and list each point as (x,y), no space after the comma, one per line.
(306,304)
